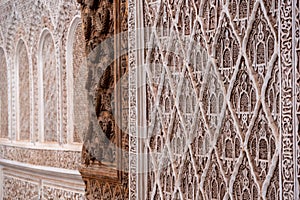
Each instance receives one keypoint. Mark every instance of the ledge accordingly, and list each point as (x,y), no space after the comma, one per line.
(100,172)
(45,146)
(51,172)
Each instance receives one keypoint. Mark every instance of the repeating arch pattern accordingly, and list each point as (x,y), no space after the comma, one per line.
(22,94)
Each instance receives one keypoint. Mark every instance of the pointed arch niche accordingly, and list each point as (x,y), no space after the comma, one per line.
(3,96)
(78,119)
(23,91)
(48,89)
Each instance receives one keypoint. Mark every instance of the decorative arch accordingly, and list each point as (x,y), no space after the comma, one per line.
(48,89)
(77,73)
(22,70)
(3,95)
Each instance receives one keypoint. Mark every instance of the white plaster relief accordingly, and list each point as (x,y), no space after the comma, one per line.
(26,20)
(49,89)
(3,96)
(76,81)
(237,155)
(23,92)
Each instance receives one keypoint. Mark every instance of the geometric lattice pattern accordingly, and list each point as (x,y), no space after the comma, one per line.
(215,79)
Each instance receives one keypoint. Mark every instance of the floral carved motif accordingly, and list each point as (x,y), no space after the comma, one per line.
(71,159)
(57,193)
(19,188)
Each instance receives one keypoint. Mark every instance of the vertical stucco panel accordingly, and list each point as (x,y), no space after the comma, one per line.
(50,89)
(22,65)
(297,86)
(3,96)
(80,74)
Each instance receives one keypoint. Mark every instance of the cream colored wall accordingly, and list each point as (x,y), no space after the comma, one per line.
(44,168)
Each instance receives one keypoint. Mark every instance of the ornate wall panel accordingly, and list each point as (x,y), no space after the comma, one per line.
(19,184)
(297,84)
(71,159)
(15,187)
(288,122)
(98,189)
(22,77)
(54,192)
(50,90)
(221,99)
(68,8)
(22,64)
(77,73)
(26,21)
(3,96)
(80,94)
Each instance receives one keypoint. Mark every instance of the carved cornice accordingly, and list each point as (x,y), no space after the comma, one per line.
(43,157)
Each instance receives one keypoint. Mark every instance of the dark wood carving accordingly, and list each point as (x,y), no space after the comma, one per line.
(103,156)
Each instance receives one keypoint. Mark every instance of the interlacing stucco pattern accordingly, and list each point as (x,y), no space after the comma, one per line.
(222,99)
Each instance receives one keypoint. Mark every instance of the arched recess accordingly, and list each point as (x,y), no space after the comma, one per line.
(23,91)
(3,96)
(48,89)
(78,119)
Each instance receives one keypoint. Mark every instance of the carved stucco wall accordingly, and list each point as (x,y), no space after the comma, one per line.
(80,74)
(3,96)
(22,67)
(222,99)
(49,91)
(296,28)
(37,150)
(221,103)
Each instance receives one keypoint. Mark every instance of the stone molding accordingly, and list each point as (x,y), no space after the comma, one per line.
(27,181)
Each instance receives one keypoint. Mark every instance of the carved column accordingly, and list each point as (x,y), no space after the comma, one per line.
(104,157)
